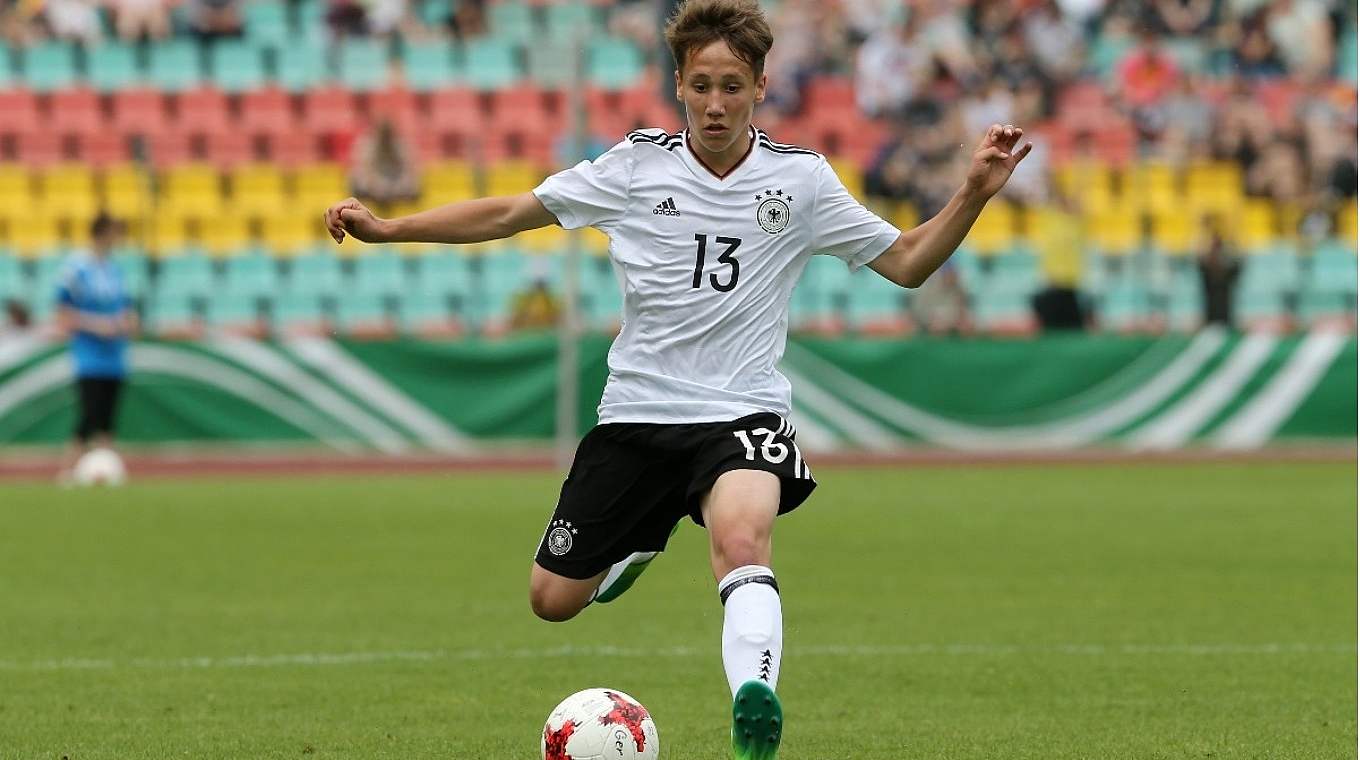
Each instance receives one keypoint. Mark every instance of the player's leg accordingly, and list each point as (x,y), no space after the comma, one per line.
(84,429)
(739,512)
(557,598)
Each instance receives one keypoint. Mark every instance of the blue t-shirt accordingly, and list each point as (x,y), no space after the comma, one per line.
(94,287)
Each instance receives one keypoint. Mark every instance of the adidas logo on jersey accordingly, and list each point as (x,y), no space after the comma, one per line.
(666,208)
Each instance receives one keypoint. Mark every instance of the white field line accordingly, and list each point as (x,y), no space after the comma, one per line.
(321,659)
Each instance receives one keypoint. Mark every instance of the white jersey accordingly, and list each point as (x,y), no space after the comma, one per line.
(707,265)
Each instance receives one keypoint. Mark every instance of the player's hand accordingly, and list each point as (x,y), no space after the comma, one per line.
(995,159)
(352,217)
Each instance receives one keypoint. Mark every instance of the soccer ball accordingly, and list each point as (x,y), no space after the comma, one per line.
(600,724)
(100,467)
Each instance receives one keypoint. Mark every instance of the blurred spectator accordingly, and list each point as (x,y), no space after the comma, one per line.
(384,171)
(1185,18)
(1187,118)
(138,19)
(16,317)
(212,19)
(536,307)
(1147,74)
(1302,34)
(1279,173)
(889,70)
(73,20)
(940,305)
(1219,268)
(1056,42)
(468,19)
(1254,53)
(1242,128)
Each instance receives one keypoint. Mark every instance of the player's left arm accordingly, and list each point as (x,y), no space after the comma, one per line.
(924,248)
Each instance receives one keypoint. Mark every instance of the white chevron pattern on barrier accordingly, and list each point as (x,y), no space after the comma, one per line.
(1259,418)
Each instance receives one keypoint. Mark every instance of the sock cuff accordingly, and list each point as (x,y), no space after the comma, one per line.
(744,575)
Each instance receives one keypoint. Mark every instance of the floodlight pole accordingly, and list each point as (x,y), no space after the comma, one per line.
(568,326)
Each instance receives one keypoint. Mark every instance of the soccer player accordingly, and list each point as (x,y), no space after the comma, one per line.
(94,309)
(709,229)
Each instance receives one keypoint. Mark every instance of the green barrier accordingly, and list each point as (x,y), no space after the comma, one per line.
(1213,388)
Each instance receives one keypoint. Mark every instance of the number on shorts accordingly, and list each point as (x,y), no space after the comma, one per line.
(773,451)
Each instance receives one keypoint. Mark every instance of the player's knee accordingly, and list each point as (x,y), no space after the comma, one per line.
(551,605)
(740,547)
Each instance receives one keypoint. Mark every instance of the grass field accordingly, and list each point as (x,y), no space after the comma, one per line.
(1045,612)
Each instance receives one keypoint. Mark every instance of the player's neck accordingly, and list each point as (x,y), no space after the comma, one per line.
(722,162)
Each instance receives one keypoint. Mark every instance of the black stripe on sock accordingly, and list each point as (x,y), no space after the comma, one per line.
(768,580)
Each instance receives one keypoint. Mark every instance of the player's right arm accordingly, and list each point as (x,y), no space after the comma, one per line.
(472,221)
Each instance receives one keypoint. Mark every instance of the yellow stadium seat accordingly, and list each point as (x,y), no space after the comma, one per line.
(1345,222)
(594,242)
(1086,183)
(1151,186)
(169,234)
(851,175)
(124,192)
(994,230)
(512,178)
(905,216)
(36,233)
(70,187)
(1176,232)
(1114,231)
(1214,187)
(288,232)
(257,190)
(550,239)
(1256,227)
(225,234)
(319,185)
(448,181)
(16,190)
(192,191)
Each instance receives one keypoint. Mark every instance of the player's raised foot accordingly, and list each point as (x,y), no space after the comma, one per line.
(757,722)
(621,578)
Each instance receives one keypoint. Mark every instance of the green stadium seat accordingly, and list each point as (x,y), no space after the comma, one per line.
(1184,299)
(547,60)
(293,311)
(233,310)
(382,271)
(363,65)
(311,14)
(252,273)
(315,274)
(428,65)
(302,66)
(113,66)
(821,296)
(1259,305)
(1272,268)
(875,305)
(174,65)
(12,279)
(361,312)
(601,296)
(189,275)
(424,312)
(237,66)
(8,75)
(614,64)
(567,17)
(136,270)
(1330,287)
(512,21)
(50,66)
(266,24)
(171,312)
(1125,305)
(435,13)
(490,64)
(444,273)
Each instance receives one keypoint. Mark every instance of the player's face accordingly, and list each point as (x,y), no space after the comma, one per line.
(720,91)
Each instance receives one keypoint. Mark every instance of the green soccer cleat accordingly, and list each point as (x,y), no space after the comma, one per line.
(757,722)
(614,588)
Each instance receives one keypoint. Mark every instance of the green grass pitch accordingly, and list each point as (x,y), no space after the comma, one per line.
(1046,612)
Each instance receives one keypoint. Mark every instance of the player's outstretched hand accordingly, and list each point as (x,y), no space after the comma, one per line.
(352,217)
(995,159)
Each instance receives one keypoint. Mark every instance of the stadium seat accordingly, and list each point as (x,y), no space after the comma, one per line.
(16,188)
(435,13)
(286,231)
(75,111)
(8,75)
(173,315)
(69,189)
(613,63)
(20,108)
(399,105)
(319,185)
(250,272)
(547,63)
(363,64)
(112,66)
(379,271)
(490,64)
(1175,231)
(203,111)
(1151,187)
(1345,221)
(266,24)
(224,234)
(1214,187)
(428,65)
(315,274)
(125,191)
(994,230)
(135,268)
(511,177)
(257,190)
(364,315)
(821,297)
(267,111)
(330,110)
(1087,183)
(37,233)
(1184,300)
(572,17)
(192,191)
(298,314)
(427,314)
(301,66)
(1114,231)
(875,306)
(190,274)
(174,65)
(237,66)
(234,313)
(1125,306)
(512,21)
(13,281)
(1257,226)
(50,66)
(139,111)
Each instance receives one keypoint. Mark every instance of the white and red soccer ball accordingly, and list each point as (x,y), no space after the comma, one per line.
(600,724)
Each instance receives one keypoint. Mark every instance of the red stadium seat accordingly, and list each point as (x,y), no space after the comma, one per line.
(75,111)
(102,148)
(167,148)
(830,93)
(330,110)
(456,117)
(229,148)
(203,110)
(139,111)
(39,148)
(292,149)
(267,111)
(398,104)
(521,108)
(20,108)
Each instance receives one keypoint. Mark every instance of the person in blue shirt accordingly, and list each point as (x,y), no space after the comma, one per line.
(94,309)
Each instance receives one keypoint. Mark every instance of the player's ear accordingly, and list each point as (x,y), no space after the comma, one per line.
(760,88)
(679,94)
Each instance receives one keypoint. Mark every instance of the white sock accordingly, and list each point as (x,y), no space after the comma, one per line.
(753,626)
(617,569)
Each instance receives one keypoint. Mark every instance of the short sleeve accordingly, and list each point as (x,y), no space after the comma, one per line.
(591,193)
(843,227)
(66,286)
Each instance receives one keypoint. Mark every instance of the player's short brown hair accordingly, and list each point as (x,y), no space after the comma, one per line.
(739,23)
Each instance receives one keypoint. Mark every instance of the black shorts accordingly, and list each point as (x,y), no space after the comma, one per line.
(98,404)
(632,482)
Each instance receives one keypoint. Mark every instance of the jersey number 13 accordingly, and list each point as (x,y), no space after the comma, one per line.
(723,258)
